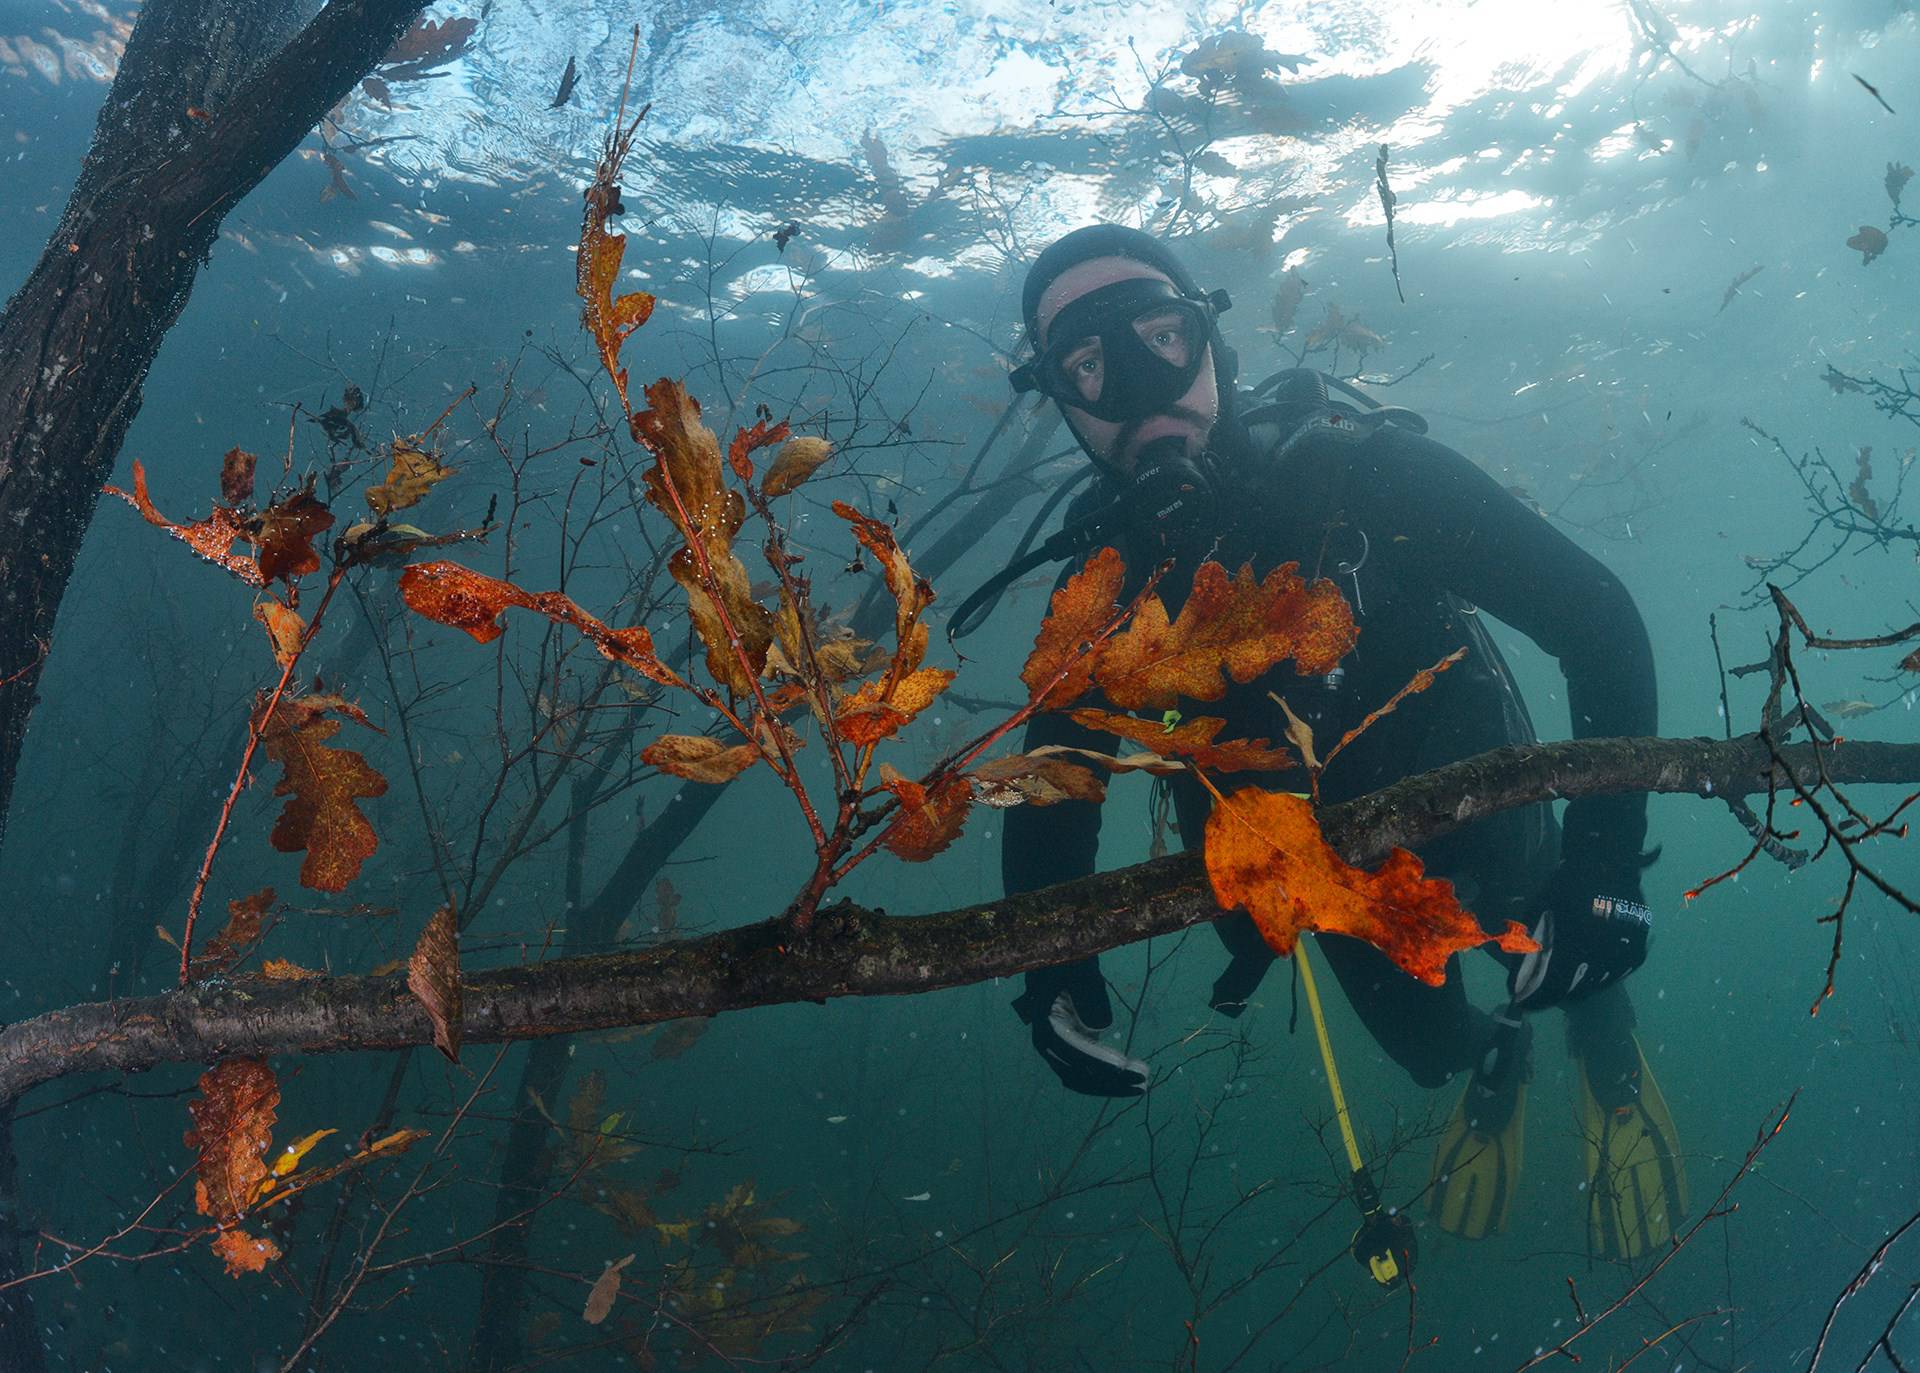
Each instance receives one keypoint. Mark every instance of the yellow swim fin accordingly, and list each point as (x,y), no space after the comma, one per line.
(1476,1169)
(1636,1177)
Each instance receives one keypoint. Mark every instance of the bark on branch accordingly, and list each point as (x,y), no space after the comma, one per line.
(858,952)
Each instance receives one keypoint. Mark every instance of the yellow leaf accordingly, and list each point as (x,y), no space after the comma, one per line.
(412,471)
(289,1158)
(673,1229)
(796,461)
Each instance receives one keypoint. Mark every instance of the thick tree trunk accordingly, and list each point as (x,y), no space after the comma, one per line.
(80,335)
(857,952)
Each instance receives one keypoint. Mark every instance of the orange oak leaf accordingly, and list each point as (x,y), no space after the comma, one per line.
(212,538)
(1081,608)
(286,970)
(457,596)
(1193,740)
(433,976)
(1036,780)
(243,927)
(1240,627)
(740,452)
(236,476)
(793,464)
(1265,852)
(413,469)
(244,1253)
(285,538)
(882,706)
(929,819)
(322,785)
(610,320)
(699,758)
(232,1125)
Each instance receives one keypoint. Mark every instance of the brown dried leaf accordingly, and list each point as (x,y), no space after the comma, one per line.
(1035,780)
(232,1126)
(606,1289)
(456,596)
(433,976)
(285,539)
(285,970)
(911,595)
(685,481)
(323,785)
(1299,732)
(751,621)
(928,819)
(243,927)
(1870,241)
(746,441)
(412,471)
(1419,682)
(1191,740)
(1080,610)
(1911,663)
(795,462)
(611,321)
(699,758)
(284,627)
(236,476)
(211,538)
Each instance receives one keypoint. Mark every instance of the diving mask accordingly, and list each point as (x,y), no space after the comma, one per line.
(1124,351)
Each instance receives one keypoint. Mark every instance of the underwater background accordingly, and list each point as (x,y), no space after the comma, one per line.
(899,1183)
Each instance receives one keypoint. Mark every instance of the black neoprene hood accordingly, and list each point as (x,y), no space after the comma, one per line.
(1083,245)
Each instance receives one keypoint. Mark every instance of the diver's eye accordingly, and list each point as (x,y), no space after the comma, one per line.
(1083,371)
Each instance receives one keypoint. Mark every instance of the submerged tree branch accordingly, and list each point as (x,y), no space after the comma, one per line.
(858,952)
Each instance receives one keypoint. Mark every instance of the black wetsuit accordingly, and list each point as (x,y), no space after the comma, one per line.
(1419,540)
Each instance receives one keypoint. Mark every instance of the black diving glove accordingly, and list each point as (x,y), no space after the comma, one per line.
(1592,925)
(1067,1007)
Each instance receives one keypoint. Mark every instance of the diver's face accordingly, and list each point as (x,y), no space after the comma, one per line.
(1118,443)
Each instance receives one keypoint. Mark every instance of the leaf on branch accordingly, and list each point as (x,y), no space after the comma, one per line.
(1299,732)
(1898,175)
(1870,241)
(453,595)
(287,1161)
(1839,382)
(243,928)
(1337,331)
(286,535)
(1265,852)
(285,629)
(794,463)
(232,1125)
(929,819)
(1239,627)
(911,594)
(428,44)
(1857,491)
(611,320)
(412,470)
(1081,608)
(881,707)
(1911,663)
(1035,780)
(433,976)
(323,785)
(606,1289)
(746,441)
(285,970)
(211,538)
(1150,763)
(236,476)
(1418,683)
(698,758)
(1191,740)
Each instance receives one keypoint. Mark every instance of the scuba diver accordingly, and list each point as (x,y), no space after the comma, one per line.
(1308,469)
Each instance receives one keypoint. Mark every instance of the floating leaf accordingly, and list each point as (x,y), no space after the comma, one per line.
(1265,852)
(211,538)
(605,1289)
(1036,781)
(699,758)
(323,785)
(1870,241)
(433,976)
(412,471)
(794,463)
(285,629)
(1286,300)
(1192,740)
(1083,606)
(236,476)
(1238,627)
(929,819)
(456,596)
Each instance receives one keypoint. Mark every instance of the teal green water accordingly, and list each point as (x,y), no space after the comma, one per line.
(1577,188)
